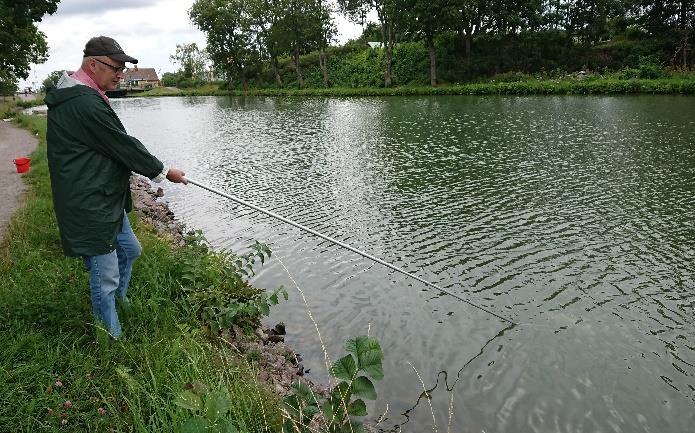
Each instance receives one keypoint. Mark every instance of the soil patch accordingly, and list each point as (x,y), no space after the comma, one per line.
(15,142)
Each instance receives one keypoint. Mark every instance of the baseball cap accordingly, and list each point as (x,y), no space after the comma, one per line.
(106,46)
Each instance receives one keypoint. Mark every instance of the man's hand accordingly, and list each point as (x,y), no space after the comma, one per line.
(177,176)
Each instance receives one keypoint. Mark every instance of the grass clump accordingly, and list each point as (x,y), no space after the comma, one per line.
(508,84)
(58,371)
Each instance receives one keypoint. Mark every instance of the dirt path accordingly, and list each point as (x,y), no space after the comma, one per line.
(15,142)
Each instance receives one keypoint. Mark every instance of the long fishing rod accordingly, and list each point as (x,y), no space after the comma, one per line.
(344,245)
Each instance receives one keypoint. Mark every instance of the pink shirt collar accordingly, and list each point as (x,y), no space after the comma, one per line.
(81,76)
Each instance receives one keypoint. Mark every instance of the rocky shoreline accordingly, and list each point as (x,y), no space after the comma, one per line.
(276,364)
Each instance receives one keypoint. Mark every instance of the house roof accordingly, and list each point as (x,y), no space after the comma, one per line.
(148,74)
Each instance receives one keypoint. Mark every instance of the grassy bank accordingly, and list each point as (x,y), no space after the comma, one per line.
(589,86)
(58,372)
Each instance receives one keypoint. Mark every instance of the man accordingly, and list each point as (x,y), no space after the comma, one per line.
(90,159)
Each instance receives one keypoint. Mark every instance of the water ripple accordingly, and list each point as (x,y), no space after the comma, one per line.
(572,215)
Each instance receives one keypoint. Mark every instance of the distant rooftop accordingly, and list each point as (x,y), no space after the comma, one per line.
(137,74)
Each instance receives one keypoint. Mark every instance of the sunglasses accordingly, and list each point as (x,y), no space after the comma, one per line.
(115,69)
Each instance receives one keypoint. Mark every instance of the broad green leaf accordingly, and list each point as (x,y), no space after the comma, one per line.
(310,411)
(344,368)
(292,404)
(195,425)
(366,344)
(216,404)
(265,308)
(341,393)
(364,387)
(188,400)
(357,408)
(288,426)
(274,299)
(369,357)
(370,363)
(327,411)
(350,346)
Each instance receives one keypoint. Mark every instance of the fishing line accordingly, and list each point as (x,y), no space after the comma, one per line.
(346,246)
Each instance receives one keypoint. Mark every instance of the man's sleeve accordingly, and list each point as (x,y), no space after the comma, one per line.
(108,137)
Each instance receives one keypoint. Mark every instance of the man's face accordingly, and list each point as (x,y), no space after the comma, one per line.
(107,72)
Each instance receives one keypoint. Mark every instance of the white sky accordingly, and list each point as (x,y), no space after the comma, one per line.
(146,29)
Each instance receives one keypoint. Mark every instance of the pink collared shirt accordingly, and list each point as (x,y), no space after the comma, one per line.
(81,76)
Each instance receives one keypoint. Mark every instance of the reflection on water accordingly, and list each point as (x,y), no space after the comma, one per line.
(570,215)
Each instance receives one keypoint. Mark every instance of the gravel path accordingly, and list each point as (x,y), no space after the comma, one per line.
(15,142)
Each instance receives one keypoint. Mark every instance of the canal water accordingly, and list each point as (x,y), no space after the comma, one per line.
(572,216)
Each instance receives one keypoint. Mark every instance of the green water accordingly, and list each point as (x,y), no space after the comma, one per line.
(572,216)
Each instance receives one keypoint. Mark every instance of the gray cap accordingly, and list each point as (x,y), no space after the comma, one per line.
(106,46)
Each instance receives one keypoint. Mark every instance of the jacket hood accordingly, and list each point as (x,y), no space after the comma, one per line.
(66,89)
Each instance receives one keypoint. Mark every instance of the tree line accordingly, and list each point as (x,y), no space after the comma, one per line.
(21,42)
(243,36)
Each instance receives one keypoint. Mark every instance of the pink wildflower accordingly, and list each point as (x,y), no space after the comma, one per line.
(67,404)
(58,384)
(101,411)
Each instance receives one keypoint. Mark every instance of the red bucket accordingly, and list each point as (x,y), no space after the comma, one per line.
(22,164)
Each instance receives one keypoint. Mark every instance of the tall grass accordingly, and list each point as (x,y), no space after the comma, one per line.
(58,371)
(677,85)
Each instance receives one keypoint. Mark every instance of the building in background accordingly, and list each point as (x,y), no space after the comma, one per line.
(140,79)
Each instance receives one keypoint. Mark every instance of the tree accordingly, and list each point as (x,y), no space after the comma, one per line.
(326,31)
(387,12)
(299,27)
(266,17)
(673,19)
(471,20)
(428,18)
(21,42)
(191,59)
(230,40)
(51,80)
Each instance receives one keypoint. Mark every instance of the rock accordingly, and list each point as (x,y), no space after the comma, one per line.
(159,193)
(276,338)
(279,329)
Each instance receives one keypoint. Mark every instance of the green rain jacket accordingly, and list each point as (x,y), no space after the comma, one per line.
(90,159)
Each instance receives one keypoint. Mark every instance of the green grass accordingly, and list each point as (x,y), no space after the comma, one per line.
(47,333)
(677,85)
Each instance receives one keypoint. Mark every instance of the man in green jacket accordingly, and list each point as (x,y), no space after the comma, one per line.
(90,159)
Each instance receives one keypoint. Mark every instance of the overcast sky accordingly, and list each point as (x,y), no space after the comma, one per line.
(146,29)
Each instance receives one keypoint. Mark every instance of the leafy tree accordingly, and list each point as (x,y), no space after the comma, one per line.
(387,12)
(669,18)
(169,79)
(472,16)
(230,40)
(51,80)
(7,86)
(267,16)
(325,33)
(191,59)
(299,26)
(427,19)
(21,42)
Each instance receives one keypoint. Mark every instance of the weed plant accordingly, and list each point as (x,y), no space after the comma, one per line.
(59,372)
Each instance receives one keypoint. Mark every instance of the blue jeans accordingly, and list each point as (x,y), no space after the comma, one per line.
(109,276)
